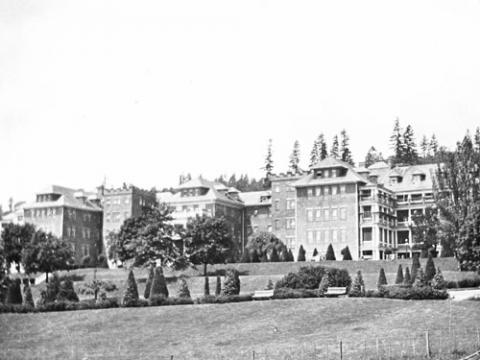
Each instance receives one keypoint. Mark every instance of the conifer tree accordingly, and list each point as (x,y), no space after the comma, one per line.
(148,284)
(415,266)
(274,255)
(130,296)
(325,282)
(477,139)
(346,154)
(269,285)
(372,157)
(334,151)
(295,158)
(396,142)
(232,282)
(420,279)
(358,286)
(290,256)
(301,254)
(322,147)
(433,145)
(268,165)
(429,269)
(330,255)
(14,292)
(218,288)
(159,285)
(382,279)
(346,254)
(407,280)
(438,282)
(399,278)
(183,291)
(425,147)
(410,155)
(27,296)
(315,252)
(315,153)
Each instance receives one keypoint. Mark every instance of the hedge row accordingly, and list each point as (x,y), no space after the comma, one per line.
(408,293)
(464,283)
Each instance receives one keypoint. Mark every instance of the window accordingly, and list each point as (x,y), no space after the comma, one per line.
(277,205)
(318,235)
(309,237)
(69,232)
(327,190)
(318,214)
(290,224)
(343,213)
(309,215)
(290,188)
(326,236)
(326,214)
(310,192)
(344,235)
(334,190)
(318,191)
(334,214)
(290,204)
(277,224)
(334,235)
(73,231)
(269,228)
(367,234)
(276,189)
(342,189)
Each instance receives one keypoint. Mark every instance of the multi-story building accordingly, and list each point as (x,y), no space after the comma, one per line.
(257,212)
(74,215)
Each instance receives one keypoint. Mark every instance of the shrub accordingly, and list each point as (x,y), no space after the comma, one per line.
(222,299)
(274,256)
(159,300)
(183,291)
(287,293)
(290,256)
(86,261)
(148,284)
(438,282)
(301,254)
(137,303)
(429,269)
(420,279)
(254,257)
(415,266)
(102,262)
(66,291)
(358,286)
(346,254)
(399,278)
(464,283)
(27,296)
(232,282)
(330,253)
(218,287)
(415,293)
(382,279)
(315,252)
(407,280)
(159,285)
(14,292)
(325,283)
(269,285)
(53,287)
(130,297)
(309,277)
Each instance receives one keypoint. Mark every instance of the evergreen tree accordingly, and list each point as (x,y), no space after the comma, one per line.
(269,285)
(477,139)
(27,296)
(382,279)
(425,147)
(346,154)
(315,153)
(183,291)
(438,282)
(148,284)
(218,288)
(407,280)
(315,252)
(372,157)
(420,280)
(334,151)
(295,158)
(326,282)
(232,282)
(396,142)
(409,147)
(274,255)
(330,255)
(130,296)
(399,278)
(14,292)
(159,284)
(429,268)
(358,286)
(322,147)
(290,256)
(433,145)
(268,165)
(66,291)
(301,254)
(415,266)
(346,254)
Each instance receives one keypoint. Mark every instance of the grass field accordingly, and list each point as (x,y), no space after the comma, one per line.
(280,329)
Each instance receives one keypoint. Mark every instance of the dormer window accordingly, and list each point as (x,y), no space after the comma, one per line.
(318,173)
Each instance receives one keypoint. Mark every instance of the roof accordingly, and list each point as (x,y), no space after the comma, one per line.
(330,162)
(198,182)
(233,190)
(67,198)
(378,165)
(164,196)
(253,198)
(361,170)
(407,173)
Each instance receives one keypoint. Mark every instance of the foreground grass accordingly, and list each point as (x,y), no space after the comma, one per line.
(282,329)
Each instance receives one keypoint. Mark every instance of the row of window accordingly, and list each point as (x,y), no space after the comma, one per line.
(289,224)
(116,216)
(40,213)
(289,188)
(86,233)
(325,236)
(84,249)
(117,201)
(326,214)
(326,190)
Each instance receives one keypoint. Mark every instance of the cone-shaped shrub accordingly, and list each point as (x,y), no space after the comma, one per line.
(438,282)
(399,278)
(159,285)
(274,256)
(415,266)
(66,291)
(218,288)
(148,284)
(183,291)
(301,254)
(346,254)
(269,285)
(315,252)
(382,279)
(130,296)
(53,287)
(358,286)
(283,255)
(407,280)
(14,292)
(325,282)
(290,256)
(206,286)
(429,269)
(420,279)
(27,296)
(330,253)
(232,282)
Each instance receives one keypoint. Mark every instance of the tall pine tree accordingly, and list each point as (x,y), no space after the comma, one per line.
(425,147)
(372,157)
(346,154)
(410,155)
(396,142)
(433,145)
(268,165)
(295,158)
(334,151)
(315,153)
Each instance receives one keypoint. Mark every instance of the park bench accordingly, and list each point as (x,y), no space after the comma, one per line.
(263,294)
(336,291)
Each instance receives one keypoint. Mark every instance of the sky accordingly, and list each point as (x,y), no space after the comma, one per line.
(142,91)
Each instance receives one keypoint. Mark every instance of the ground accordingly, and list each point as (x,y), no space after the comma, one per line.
(279,329)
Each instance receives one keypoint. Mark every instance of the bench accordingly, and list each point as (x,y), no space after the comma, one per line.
(336,291)
(263,294)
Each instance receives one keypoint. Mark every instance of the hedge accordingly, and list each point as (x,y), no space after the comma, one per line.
(222,299)
(403,292)
(287,293)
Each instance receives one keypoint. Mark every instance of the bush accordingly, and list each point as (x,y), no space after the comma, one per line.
(315,252)
(438,282)
(358,286)
(245,257)
(148,284)
(66,292)
(52,289)
(222,299)
(218,288)
(274,256)
(270,285)
(429,269)
(159,285)
(420,280)
(346,254)
(330,253)
(287,293)
(464,283)
(301,254)
(86,261)
(415,293)
(102,262)
(232,282)
(14,292)
(162,301)
(28,298)
(309,277)
(183,291)
(407,280)
(382,279)
(290,257)
(325,283)
(130,297)
(415,266)
(399,278)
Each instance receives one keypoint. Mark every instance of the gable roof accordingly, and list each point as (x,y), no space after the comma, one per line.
(408,183)
(67,198)
(330,162)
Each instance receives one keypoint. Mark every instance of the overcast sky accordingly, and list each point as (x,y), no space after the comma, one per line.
(141,91)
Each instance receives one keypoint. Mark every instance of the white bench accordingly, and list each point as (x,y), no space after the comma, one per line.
(263,294)
(336,291)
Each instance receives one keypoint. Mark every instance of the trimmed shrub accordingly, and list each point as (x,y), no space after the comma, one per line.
(86,261)
(148,284)
(183,291)
(330,253)
(301,254)
(415,266)
(290,256)
(102,261)
(162,301)
(53,287)
(66,291)
(130,297)
(358,286)
(438,282)
(159,285)
(382,279)
(223,299)
(415,293)
(274,256)
(325,283)
(14,292)
(218,288)
(287,293)
(315,252)
(232,282)
(420,279)
(309,277)
(399,278)
(346,254)
(407,280)
(429,269)
(206,286)
(270,285)
(27,296)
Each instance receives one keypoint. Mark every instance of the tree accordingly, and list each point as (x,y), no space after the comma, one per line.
(268,168)
(148,284)
(28,298)
(15,237)
(274,256)
(322,145)
(425,147)
(438,282)
(358,286)
(325,282)
(130,296)
(396,143)
(148,238)
(14,293)
(301,254)
(218,288)
(66,291)
(159,284)
(346,154)
(315,252)
(399,278)
(477,139)
(183,291)
(382,279)
(345,253)
(410,155)
(429,269)
(407,280)
(207,241)
(232,282)
(334,151)
(330,255)
(46,253)
(290,256)
(262,245)
(419,280)
(425,231)
(315,153)
(295,158)
(372,157)
(433,145)
(415,266)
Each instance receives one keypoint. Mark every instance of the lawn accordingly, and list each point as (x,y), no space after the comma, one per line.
(280,329)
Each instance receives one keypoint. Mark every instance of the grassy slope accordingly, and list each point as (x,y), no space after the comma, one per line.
(233,330)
